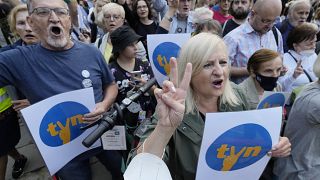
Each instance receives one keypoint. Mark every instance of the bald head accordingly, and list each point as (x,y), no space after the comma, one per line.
(271,6)
(263,15)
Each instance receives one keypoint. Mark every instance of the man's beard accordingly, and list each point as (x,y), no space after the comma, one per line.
(239,14)
(57,43)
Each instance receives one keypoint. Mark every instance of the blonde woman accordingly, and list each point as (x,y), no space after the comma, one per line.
(183,103)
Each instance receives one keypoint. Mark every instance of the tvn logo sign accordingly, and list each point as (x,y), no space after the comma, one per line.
(238,147)
(61,124)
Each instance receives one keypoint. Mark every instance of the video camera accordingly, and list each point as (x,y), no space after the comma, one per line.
(114,115)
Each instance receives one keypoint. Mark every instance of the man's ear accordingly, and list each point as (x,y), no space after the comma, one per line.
(252,12)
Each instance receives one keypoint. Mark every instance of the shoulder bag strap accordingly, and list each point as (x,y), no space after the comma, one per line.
(302,68)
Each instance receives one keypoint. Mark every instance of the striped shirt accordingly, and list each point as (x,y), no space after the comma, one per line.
(243,41)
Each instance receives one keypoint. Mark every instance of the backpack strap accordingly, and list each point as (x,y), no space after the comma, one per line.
(224,25)
(99,42)
(275,34)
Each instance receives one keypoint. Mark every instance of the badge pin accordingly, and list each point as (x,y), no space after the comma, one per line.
(87,83)
(85,74)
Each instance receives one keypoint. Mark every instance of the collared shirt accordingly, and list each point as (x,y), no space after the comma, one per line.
(290,63)
(175,24)
(243,41)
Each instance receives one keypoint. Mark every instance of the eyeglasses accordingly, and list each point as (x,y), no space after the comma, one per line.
(114,17)
(45,11)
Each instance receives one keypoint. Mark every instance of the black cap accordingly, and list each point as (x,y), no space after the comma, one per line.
(122,37)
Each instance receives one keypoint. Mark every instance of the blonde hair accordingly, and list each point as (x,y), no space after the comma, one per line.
(197,51)
(12,18)
(110,7)
(316,67)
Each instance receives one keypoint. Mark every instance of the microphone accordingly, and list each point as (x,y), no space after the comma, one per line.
(110,118)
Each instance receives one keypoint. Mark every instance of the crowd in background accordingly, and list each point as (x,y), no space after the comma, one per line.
(238,50)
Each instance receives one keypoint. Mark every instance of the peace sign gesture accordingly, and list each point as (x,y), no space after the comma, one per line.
(171,98)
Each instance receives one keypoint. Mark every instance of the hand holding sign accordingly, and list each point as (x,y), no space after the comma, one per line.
(282,149)
(96,114)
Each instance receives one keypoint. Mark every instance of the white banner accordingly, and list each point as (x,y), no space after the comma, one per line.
(161,47)
(55,126)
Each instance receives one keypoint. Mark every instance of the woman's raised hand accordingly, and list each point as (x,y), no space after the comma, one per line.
(171,98)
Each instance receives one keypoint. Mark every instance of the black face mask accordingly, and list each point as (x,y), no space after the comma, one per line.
(267,83)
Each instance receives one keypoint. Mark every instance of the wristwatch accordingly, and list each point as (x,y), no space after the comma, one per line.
(169,18)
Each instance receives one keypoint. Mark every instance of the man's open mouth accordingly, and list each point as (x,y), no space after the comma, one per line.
(55,30)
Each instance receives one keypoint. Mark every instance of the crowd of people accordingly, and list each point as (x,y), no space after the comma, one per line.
(238,50)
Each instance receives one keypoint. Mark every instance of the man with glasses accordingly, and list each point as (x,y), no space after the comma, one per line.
(254,34)
(57,65)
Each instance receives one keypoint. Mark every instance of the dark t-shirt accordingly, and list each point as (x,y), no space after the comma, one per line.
(144,106)
(229,26)
(143,30)
(41,73)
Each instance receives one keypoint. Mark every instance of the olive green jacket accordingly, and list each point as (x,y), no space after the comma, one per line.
(250,91)
(183,149)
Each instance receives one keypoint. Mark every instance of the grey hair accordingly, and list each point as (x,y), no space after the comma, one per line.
(31,2)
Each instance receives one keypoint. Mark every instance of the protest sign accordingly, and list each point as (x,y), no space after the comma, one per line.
(235,144)
(55,124)
(161,47)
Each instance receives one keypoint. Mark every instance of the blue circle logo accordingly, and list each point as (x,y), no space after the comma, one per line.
(238,147)
(162,54)
(274,100)
(61,124)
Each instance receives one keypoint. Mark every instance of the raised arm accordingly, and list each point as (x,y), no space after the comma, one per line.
(169,110)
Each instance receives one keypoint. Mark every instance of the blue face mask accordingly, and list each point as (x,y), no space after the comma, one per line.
(267,83)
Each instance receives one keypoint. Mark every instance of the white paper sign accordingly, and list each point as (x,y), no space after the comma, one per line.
(161,47)
(114,139)
(235,144)
(55,126)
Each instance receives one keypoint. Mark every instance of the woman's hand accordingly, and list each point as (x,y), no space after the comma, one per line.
(282,149)
(171,98)
(298,70)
